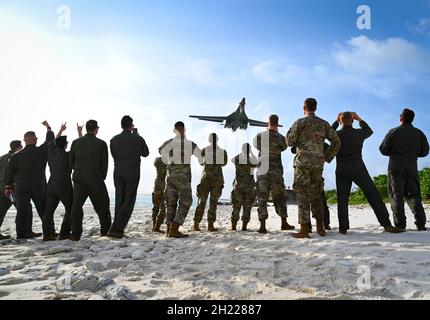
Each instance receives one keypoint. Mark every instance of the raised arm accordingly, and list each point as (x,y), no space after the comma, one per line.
(62,129)
(366,131)
(50,136)
(79,129)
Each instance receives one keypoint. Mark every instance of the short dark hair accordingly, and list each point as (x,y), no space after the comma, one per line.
(274,120)
(408,116)
(61,142)
(14,145)
(311,104)
(179,125)
(126,122)
(213,138)
(91,125)
(246,147)
(29,134)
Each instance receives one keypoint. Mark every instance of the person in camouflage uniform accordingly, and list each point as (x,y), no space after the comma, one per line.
(212,182)
(243,194)
(270,145)
(158,197)
(308,135)
(177,153)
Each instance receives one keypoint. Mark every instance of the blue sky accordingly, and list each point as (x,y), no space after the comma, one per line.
(163,60)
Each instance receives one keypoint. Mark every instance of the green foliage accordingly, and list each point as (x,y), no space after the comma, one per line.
(425,183)
(381,182)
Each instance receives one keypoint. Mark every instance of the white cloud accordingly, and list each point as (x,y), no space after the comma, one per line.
(381,68)
(420,26)
(394,55)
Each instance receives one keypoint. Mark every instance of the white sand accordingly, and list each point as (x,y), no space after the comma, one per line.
(226,265)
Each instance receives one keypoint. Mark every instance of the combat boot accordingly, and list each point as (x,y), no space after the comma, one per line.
(285,226)
(197,227)
(211,227)
(157,227)
(175,233)
(245,226)
(391,229)
(263,229)
(320,228)
(233,225)
(304,232)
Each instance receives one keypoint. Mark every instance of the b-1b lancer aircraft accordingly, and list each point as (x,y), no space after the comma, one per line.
(237,120)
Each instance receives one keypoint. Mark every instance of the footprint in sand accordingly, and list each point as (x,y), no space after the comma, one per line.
(149,293)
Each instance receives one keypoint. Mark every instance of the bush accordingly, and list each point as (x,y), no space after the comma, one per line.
(381,182)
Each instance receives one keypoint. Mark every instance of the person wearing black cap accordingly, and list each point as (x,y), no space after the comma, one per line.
(60,187)
(351,168)
(7,202)
(404,145)
(89,159)
(127,149)
(177,153)
(26,174)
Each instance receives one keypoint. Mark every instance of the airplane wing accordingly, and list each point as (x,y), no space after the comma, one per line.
(208,118)
(256,123)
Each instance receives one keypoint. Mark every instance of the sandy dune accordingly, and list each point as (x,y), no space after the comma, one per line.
(366,264)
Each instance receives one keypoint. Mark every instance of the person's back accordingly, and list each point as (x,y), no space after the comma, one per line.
(30,162)
(404,145)
(89,156)
(127,149)
(89,160)
(270,145)
(59,167)
(313,132)
(245,167)
(308,135)
(177,153)
(352,141)
(214,158)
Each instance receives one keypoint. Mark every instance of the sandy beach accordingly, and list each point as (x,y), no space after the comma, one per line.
(365,264)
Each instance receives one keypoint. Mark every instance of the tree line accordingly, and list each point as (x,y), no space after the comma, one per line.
(381,181)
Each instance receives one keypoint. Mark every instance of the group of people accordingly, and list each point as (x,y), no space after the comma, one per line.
(22,176)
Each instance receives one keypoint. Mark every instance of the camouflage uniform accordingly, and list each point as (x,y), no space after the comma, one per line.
(177,154)
(270,145)
(308,135)
(214,158)
(243,194)
(158,198)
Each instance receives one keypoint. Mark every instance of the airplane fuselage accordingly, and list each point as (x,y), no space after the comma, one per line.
(237,120)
